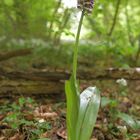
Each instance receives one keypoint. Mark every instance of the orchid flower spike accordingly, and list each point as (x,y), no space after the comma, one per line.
(86,5)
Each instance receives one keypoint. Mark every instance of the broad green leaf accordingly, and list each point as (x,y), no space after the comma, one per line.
(88,111)
(72,97)
(129,120)
(138,124)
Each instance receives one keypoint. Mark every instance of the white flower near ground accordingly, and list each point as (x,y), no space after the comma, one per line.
(123,129)
(122,82)
(41,121)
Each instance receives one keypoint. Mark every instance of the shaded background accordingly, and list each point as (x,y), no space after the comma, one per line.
(110,36)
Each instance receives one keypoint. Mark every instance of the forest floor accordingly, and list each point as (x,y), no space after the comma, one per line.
(44,118)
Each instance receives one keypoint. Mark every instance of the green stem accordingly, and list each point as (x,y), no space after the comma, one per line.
(75,57)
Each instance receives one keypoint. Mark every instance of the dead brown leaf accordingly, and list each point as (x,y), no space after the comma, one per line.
(2,138)
(17,137)
(62,133)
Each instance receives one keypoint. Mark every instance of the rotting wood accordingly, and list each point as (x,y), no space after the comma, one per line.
(23,87)
(49,82)
(58,75)
(15,53)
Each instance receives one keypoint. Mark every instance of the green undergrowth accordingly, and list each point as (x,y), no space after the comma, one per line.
(45,55)
(18,118)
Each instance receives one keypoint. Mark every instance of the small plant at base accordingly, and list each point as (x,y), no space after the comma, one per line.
(16,118)
(82,109)
(122,86)
(115,114)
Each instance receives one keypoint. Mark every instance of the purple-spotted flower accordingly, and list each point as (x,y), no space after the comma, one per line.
(86,5)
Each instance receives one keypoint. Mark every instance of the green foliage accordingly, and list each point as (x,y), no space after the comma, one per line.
(107,101)
(82,110)
(72,95)
(113,105)
(16,119)
(50,21)
(28,18)
(115,113)
(134,124)
(88,112)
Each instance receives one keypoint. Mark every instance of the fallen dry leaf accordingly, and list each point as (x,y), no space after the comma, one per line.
(3,138)
(17,137)
(94,139)
(47,115)
(62,133)
(1,117)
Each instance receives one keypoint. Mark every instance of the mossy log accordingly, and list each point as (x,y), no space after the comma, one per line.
(47,82)
(23,87)
(58,75)
(16,53)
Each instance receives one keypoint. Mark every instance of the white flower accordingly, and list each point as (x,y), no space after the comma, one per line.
(123,129)
(41,121)
(122,82)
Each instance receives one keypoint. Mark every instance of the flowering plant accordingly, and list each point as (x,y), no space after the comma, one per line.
(122,82)
(86,5)
(82,109)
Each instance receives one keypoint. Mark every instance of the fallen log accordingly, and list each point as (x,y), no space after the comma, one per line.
(48,82)
(22,87)
(15,53)
(57,75)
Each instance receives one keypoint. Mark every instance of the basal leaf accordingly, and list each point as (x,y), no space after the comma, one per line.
(72,97)
(129,120)
(88,111)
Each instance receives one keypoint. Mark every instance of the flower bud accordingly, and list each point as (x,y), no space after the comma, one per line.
(86,5)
